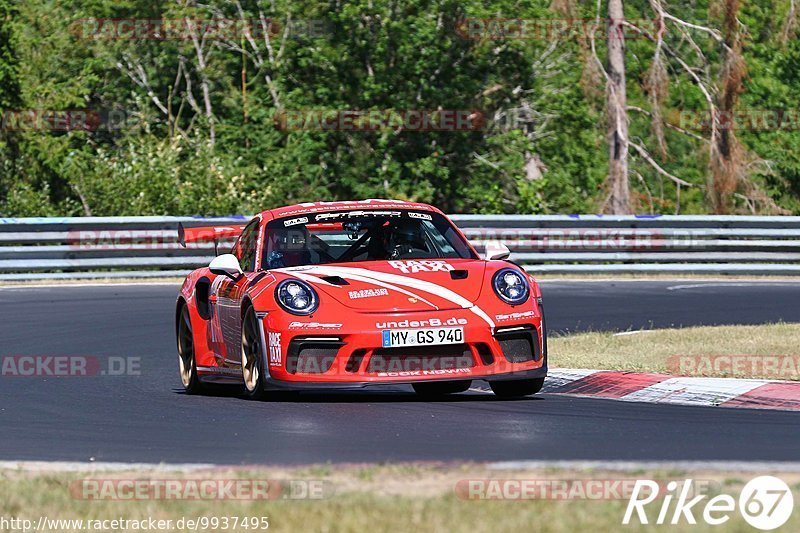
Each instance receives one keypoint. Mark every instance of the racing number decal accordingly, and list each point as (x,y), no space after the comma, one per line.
(412,267)
(274,349)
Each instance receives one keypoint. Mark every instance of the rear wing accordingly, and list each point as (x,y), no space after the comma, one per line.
(208,233)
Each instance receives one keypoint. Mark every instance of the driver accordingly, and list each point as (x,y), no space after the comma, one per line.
(405,238)
(289,248)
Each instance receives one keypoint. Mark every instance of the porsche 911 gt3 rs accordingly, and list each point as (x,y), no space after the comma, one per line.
(356,293)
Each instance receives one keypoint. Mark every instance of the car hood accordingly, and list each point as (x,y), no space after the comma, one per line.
(398,286)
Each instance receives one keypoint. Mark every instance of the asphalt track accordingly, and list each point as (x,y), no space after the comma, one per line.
(147,418)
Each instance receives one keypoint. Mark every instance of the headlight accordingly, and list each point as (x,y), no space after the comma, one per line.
(297,297)
(510,286)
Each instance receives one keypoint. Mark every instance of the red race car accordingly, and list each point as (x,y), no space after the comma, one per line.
(356,293)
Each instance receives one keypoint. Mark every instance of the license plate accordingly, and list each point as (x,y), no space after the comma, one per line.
(422,337)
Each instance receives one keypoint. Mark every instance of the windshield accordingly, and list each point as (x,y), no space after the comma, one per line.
(349,236)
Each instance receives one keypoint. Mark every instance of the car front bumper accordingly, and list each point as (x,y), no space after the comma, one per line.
(302,352)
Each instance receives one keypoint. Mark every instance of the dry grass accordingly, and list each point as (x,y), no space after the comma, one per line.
(401,497)
(775,349)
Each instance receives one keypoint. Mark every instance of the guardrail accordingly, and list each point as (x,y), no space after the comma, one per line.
(96,247)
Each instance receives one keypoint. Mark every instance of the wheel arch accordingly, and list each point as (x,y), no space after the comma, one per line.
(179,305)
(247,303)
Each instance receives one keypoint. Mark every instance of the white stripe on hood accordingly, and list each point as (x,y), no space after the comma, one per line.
(314,279)
(363,274)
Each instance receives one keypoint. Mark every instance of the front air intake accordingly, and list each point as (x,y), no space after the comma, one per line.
(519,344)
(311,356)
(421,358)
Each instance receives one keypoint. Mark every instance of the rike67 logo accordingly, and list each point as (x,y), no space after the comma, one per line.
(765,503)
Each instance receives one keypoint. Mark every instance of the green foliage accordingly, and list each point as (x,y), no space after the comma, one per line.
(9,85)
(542,149)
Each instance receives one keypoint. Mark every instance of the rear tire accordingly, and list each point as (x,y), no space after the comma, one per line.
(187,365)
(253,373)
(516,388)
(441,388)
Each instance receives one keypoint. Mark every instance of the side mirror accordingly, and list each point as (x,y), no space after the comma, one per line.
(226,265)
(496,250)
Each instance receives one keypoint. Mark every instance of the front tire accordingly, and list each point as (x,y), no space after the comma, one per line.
(253,372)
(441,388)
(516,388)
(187,365)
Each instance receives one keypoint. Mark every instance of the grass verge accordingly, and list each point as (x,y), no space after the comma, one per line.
(766,351)
(401,497)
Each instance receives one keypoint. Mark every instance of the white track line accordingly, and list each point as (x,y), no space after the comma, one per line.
(694,391)
(723,284)
(562,376)
(555,379)
(92,466)
(634,332)
(116,284)
(722,466)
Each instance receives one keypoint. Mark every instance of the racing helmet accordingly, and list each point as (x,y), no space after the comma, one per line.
(405,237)
(288,247)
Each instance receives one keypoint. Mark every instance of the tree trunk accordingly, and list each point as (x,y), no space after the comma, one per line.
(726,152)
(619,199)
(204,82)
